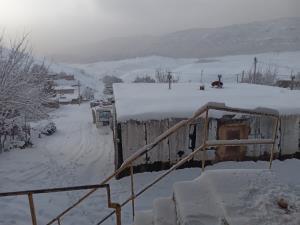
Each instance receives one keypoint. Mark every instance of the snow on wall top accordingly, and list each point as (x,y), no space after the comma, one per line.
(155,101)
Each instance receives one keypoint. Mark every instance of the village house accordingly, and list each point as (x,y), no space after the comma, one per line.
(144,111)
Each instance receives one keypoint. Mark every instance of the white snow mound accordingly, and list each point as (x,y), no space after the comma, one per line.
(236,197)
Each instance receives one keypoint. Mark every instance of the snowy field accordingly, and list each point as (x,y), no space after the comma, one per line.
(190,69)
(79,154)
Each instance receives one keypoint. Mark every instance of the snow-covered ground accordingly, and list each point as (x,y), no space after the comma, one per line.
(79,154)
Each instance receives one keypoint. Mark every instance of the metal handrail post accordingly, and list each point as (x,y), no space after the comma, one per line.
(32,210)
(132,191)
(118,215)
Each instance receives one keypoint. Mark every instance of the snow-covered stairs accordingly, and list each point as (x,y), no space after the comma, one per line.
(221,197)
(163,213)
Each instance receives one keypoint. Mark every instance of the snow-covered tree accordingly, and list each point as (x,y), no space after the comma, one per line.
(88,93)
(22,88)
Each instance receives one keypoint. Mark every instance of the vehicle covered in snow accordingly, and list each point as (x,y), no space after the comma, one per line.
(102,115)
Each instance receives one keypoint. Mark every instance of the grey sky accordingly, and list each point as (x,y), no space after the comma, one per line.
(58,25)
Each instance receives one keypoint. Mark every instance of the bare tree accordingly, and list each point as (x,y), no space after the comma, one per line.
(161,76)
(265,76)
(22,88)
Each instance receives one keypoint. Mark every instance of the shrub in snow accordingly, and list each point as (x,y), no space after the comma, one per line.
(161,76)
(88,94)
(144,79)
(111,79)
(265,77)
(298,76)
(49,129)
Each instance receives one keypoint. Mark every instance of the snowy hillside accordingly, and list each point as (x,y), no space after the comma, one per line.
(190,69)
(257,37)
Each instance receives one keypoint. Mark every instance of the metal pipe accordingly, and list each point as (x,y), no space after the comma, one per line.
(132,192)
(32,210)
(52,190)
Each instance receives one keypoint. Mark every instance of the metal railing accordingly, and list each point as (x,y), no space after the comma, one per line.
(128,163)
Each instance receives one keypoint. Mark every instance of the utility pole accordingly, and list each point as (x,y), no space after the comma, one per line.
(169,79)
(79,98)
(292,80)
(254,73)
(243,74)
(201,77)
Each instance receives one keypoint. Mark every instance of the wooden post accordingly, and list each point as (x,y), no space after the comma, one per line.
(169,79)
(274,141)
(254,73)
(292,81)
(243,74)
(79,98)
(205,139)
(32,210)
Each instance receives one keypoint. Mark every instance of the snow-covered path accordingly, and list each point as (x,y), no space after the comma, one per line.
(77,154)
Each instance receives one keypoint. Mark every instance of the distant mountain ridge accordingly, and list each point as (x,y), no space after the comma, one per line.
(256,37)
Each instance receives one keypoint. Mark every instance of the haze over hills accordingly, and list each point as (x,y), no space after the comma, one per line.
(258,37)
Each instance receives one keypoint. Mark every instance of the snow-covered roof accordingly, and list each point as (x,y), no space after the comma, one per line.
(64,87)
(156,101)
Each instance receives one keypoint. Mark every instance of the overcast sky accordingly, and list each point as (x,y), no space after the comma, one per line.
(56,25)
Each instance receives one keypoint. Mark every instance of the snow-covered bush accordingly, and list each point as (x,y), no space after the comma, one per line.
(144,79)
(111,79)
(88,93)
(262,76)
(298,76)
(49,129)
(162,76)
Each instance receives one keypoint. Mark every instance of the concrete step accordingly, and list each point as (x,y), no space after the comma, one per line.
(194,203)
(164,211)
(143,217)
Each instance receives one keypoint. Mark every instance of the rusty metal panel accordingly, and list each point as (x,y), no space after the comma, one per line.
(232,131)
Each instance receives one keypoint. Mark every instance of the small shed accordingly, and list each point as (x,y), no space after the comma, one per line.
(144,111)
